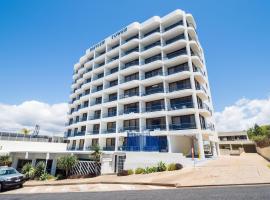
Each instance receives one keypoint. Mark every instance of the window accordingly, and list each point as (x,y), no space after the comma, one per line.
(132,124)
(153,73)
(100,75)
(173,25)
(113,70)
(111,126)
(113,97)
(156,123)
(179,52)
(131,92)
(96,128)
(110,142)
(152,45)
(86,92)
(84,117)
(112,111)
(94,142)
(131,77)
(154,89)
(132,37)
(113,83)
(131,63)
(183,122)
(132,107)
(85,104)
(180,85)
(99,87)
(178,37)
(132,50)
(98,100)
(97,114)
(155,105)
(178,68)
(152,58)
(180,103)
(151,32)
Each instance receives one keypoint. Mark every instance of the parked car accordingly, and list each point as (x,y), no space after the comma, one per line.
(10,177)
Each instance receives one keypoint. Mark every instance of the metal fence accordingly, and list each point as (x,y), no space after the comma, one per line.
(86,168)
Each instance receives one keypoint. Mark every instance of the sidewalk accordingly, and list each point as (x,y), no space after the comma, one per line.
(226,170)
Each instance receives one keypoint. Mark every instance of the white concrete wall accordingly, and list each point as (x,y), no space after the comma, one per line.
(181,144)
(17,146)
(148,159)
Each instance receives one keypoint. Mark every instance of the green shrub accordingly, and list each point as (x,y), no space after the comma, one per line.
(149,170)
(29,171)
(60,177)
(171,167)
(139,171)
(161,167)
(130,172)
(43,177)
(5,160)
(40,168)
(66,163)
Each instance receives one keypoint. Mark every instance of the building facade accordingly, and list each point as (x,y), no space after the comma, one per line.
(144,89)
(235,143)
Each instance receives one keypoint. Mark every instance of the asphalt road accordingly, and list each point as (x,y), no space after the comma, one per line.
(217,193)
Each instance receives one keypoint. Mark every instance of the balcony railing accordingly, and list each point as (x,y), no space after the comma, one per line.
(182,126)
(183,105)
(110,114)
(94,132)
(180,87)
(131,38)
(154,108)
(107,131)
(151,32)
(157,43)
(129,64)
(177,53)
(177,69)
(131,50)
(153,74)
(152,59)
(131,94)
(153,91)
(130,128)
(173,25)
(109,148)
(82,133)
(130,110)
(179,37)
(153,127)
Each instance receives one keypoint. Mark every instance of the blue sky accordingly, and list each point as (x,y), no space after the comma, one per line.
(41,40)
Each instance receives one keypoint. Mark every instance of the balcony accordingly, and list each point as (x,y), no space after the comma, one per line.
(177,53)
(108,131)
(94,132)
(131,94)
(197,69)
(131,110)
(131,50)
(151,32)
(172,40)
(154,91)
(157,43)
(183,126)
(131,128)
(183,105)
(154,108)
(180,87)
(155,127)
(129,64)
(110,114)
(109,148)
(200,87)
(82,133)
(178,68)
(153,74)
(152,59)
(131,38)
(97,116)
(180,23)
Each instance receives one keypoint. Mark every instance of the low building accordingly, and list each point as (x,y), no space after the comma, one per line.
(235,143)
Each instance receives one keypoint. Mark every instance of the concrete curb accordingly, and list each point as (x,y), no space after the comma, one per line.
(172,185)
(104,182)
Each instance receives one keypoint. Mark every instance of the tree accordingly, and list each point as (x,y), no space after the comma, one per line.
(28,170)
(25,131)
(66,163)
(97,153)
(5,160)
(39,169)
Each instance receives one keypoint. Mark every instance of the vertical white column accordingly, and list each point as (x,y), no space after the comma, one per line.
(116,143)
(200,145)
(169,138)
(53,168)
(218,150)
(213,144)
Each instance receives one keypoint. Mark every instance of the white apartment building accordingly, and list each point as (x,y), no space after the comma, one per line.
(144,89)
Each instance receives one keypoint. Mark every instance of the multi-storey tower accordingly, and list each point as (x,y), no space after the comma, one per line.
(144,88)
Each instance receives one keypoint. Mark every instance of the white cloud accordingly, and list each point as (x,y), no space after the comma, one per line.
(243,115)
(51,118)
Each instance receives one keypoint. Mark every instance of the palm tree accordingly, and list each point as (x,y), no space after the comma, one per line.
(97,153)
(5,160)
(25,131)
